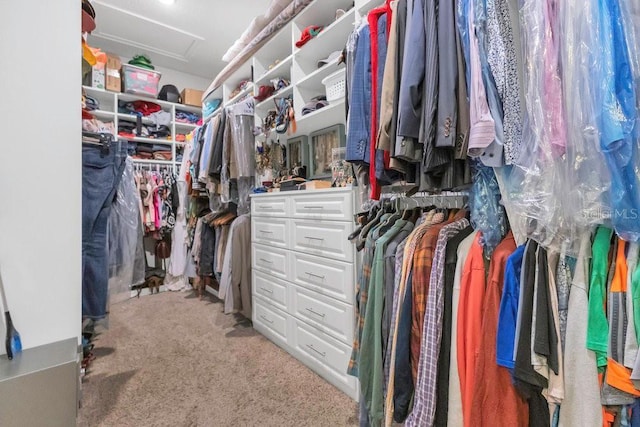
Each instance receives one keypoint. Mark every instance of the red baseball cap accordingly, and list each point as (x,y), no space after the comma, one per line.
(307,34)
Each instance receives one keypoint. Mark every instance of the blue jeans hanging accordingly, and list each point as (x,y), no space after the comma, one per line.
(102,170)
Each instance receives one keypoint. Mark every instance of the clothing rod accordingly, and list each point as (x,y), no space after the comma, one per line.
(450,200)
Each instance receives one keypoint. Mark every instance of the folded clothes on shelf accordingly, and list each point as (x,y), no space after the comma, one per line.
(159,131)
(127,129)
(161,118)
(145,148)
(186,117)
(159,147)
(162,155)
(314,104)
(144,108)
(98,126)
(91,103)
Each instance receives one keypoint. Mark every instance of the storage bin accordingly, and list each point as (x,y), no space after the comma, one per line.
(335,85)
(140,81)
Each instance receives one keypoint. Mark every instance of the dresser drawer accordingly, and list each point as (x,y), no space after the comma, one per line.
(325,276)
(326,355)
(270,321)
(270,231)
(327,206)
(271,289)
(323,238)
(332,317)
(270,260)
(269,206)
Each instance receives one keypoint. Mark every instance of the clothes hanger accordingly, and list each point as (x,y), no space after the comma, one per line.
(103,140)
(367,227)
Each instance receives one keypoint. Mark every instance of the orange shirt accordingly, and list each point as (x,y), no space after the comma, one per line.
(472,290)
(495,401)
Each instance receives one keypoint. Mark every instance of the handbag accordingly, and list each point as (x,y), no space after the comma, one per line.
(163,249)
(264,92)
(286,115)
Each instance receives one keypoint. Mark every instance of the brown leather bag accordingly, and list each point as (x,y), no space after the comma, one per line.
(163,249)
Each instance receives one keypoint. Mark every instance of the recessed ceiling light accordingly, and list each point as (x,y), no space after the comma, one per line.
(167,1)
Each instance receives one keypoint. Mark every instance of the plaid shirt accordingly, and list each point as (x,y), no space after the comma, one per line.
(399,257)
(422,263)
(362,291)
(407,262)
(424,406)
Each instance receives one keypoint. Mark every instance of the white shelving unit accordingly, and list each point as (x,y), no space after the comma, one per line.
(280,58)
(109,112)
(364,6)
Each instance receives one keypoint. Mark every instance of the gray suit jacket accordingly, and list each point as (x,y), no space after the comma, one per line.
(448,76)
(412,76)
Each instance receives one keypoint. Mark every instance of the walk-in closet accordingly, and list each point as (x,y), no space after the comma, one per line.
(373,213)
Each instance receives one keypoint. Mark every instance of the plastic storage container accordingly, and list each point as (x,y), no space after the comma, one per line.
(335,85)
(140,81)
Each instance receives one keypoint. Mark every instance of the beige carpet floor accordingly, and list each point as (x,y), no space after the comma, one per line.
(172,360)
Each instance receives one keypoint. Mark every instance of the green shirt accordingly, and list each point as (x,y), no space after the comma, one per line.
(370,363)
(635,292)
(597,326)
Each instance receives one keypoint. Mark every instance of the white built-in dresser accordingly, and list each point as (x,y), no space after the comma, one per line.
(303,277)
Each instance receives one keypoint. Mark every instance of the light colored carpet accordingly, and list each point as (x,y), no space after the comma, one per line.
(172,360)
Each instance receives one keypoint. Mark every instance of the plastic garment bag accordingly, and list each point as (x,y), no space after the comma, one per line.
(588,180)
(534,181)
(238,164)
(617,118)
(126,253)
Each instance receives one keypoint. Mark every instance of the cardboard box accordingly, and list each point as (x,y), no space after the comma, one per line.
(98,76)
(317,185)
(191,97)
(95,77)
(113,80)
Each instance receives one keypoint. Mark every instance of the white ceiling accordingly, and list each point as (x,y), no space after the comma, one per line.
(189,36)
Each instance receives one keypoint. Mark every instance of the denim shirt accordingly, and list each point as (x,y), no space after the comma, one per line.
(358,138)
(617,120)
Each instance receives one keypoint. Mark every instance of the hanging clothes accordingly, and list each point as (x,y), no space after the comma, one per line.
(235,284)
(102,169)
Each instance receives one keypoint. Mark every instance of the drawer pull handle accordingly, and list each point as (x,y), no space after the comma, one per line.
(265,319)
(266,231)
(310,310)
(313,207)
(315,275)
(266,261)
(321,353)
(314,238)
(267,207)
(266,290)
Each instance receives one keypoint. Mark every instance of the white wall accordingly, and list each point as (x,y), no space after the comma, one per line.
(40,169)
(178,78)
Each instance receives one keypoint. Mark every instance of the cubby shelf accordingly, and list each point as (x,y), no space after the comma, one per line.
(109,112)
